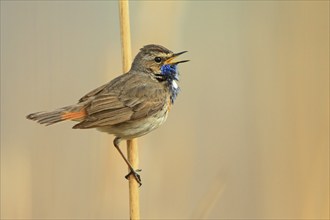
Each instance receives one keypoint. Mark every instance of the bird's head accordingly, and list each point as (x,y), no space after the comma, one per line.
(152,58)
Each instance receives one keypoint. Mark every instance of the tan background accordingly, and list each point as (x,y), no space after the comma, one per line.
(247,138)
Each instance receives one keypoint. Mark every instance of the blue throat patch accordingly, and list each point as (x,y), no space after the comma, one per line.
(171,75)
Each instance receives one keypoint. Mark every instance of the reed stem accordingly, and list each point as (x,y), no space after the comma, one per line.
(132,147)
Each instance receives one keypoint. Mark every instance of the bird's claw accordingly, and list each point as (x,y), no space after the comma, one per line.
(136,175)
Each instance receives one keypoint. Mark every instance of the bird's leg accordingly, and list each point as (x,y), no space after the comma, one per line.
(137,177)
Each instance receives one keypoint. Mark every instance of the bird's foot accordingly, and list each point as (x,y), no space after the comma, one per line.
(136,176)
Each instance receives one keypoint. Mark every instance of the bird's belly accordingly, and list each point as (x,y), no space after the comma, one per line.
(137,128)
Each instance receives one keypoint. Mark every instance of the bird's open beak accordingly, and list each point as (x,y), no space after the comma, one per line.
(171,59)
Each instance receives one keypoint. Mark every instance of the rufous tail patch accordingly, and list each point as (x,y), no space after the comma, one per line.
(74,115)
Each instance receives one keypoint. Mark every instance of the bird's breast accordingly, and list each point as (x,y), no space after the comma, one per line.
(174,90)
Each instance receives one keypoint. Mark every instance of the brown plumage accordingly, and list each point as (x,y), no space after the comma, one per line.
(130,105)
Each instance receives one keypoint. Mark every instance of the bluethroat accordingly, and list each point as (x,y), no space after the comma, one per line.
(130,105)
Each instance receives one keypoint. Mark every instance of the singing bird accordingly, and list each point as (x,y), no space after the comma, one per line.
(129,106)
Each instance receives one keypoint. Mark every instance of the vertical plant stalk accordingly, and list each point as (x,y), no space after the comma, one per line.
(132,148)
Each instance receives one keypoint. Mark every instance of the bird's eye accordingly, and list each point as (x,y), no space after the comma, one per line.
(158,59)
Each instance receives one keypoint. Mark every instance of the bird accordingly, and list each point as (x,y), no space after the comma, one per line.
(129,106)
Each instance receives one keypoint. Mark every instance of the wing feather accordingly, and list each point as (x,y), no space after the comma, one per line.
(105,102)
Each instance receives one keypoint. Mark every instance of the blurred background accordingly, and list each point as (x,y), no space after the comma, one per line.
(248,136)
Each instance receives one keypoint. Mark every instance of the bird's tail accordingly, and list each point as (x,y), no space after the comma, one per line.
(73,112)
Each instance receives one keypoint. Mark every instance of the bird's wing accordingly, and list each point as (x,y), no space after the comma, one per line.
(103,88)
(92,93)
(129,99)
